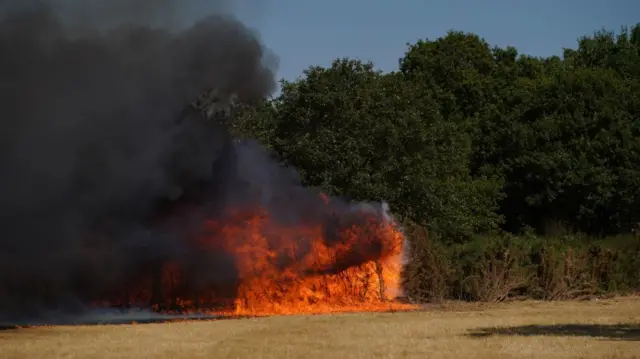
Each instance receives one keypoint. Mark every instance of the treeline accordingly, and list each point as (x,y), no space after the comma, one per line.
(515,175)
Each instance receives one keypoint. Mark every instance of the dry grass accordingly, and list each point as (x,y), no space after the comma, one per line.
(589,329)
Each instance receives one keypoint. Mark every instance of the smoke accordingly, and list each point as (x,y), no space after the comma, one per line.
(94,134)
(107,169)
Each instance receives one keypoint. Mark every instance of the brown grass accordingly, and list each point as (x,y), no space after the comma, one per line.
(589,329)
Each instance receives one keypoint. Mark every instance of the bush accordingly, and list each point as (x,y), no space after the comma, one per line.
(502,266)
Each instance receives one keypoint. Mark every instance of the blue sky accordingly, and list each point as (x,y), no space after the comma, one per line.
(314,32)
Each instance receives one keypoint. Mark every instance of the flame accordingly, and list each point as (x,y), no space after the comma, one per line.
(304,268)
(308,284)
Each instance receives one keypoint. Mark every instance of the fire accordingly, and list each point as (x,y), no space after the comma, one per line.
(347,262)
(317,279)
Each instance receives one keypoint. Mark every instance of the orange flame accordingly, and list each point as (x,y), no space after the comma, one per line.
(289,269)
(310,283)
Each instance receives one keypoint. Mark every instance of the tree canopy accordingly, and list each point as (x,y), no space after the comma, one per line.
(466,138)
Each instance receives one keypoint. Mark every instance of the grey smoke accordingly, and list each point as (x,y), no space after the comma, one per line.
(104,316)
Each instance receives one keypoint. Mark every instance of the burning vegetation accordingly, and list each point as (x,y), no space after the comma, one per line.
(307,267)
(118,190)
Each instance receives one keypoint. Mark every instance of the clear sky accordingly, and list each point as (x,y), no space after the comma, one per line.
(314,32)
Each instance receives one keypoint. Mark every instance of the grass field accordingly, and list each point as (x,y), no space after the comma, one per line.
(588,329)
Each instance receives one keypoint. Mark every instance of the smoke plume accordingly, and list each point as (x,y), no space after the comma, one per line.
(94,134)
(106,168)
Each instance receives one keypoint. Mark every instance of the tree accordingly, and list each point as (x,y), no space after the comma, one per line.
(561,133)
(604,49)
(365,135)
(566,142)
(454,69)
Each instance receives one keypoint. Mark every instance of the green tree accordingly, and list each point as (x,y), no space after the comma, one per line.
(605,49)
(561,133)
(455,70)
(364,135)
(566,143)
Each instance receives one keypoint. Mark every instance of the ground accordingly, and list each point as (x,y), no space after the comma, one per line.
(581,329)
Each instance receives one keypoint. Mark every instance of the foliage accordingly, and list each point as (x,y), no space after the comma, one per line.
(364,135)
(497,268)
(562,134)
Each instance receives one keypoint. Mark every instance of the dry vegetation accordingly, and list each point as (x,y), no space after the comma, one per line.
(587,329)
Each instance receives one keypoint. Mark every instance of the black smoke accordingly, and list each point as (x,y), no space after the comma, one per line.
(96,134)
(109,165)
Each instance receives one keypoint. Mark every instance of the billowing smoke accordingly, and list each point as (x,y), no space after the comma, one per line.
(105,164)
(96,133)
